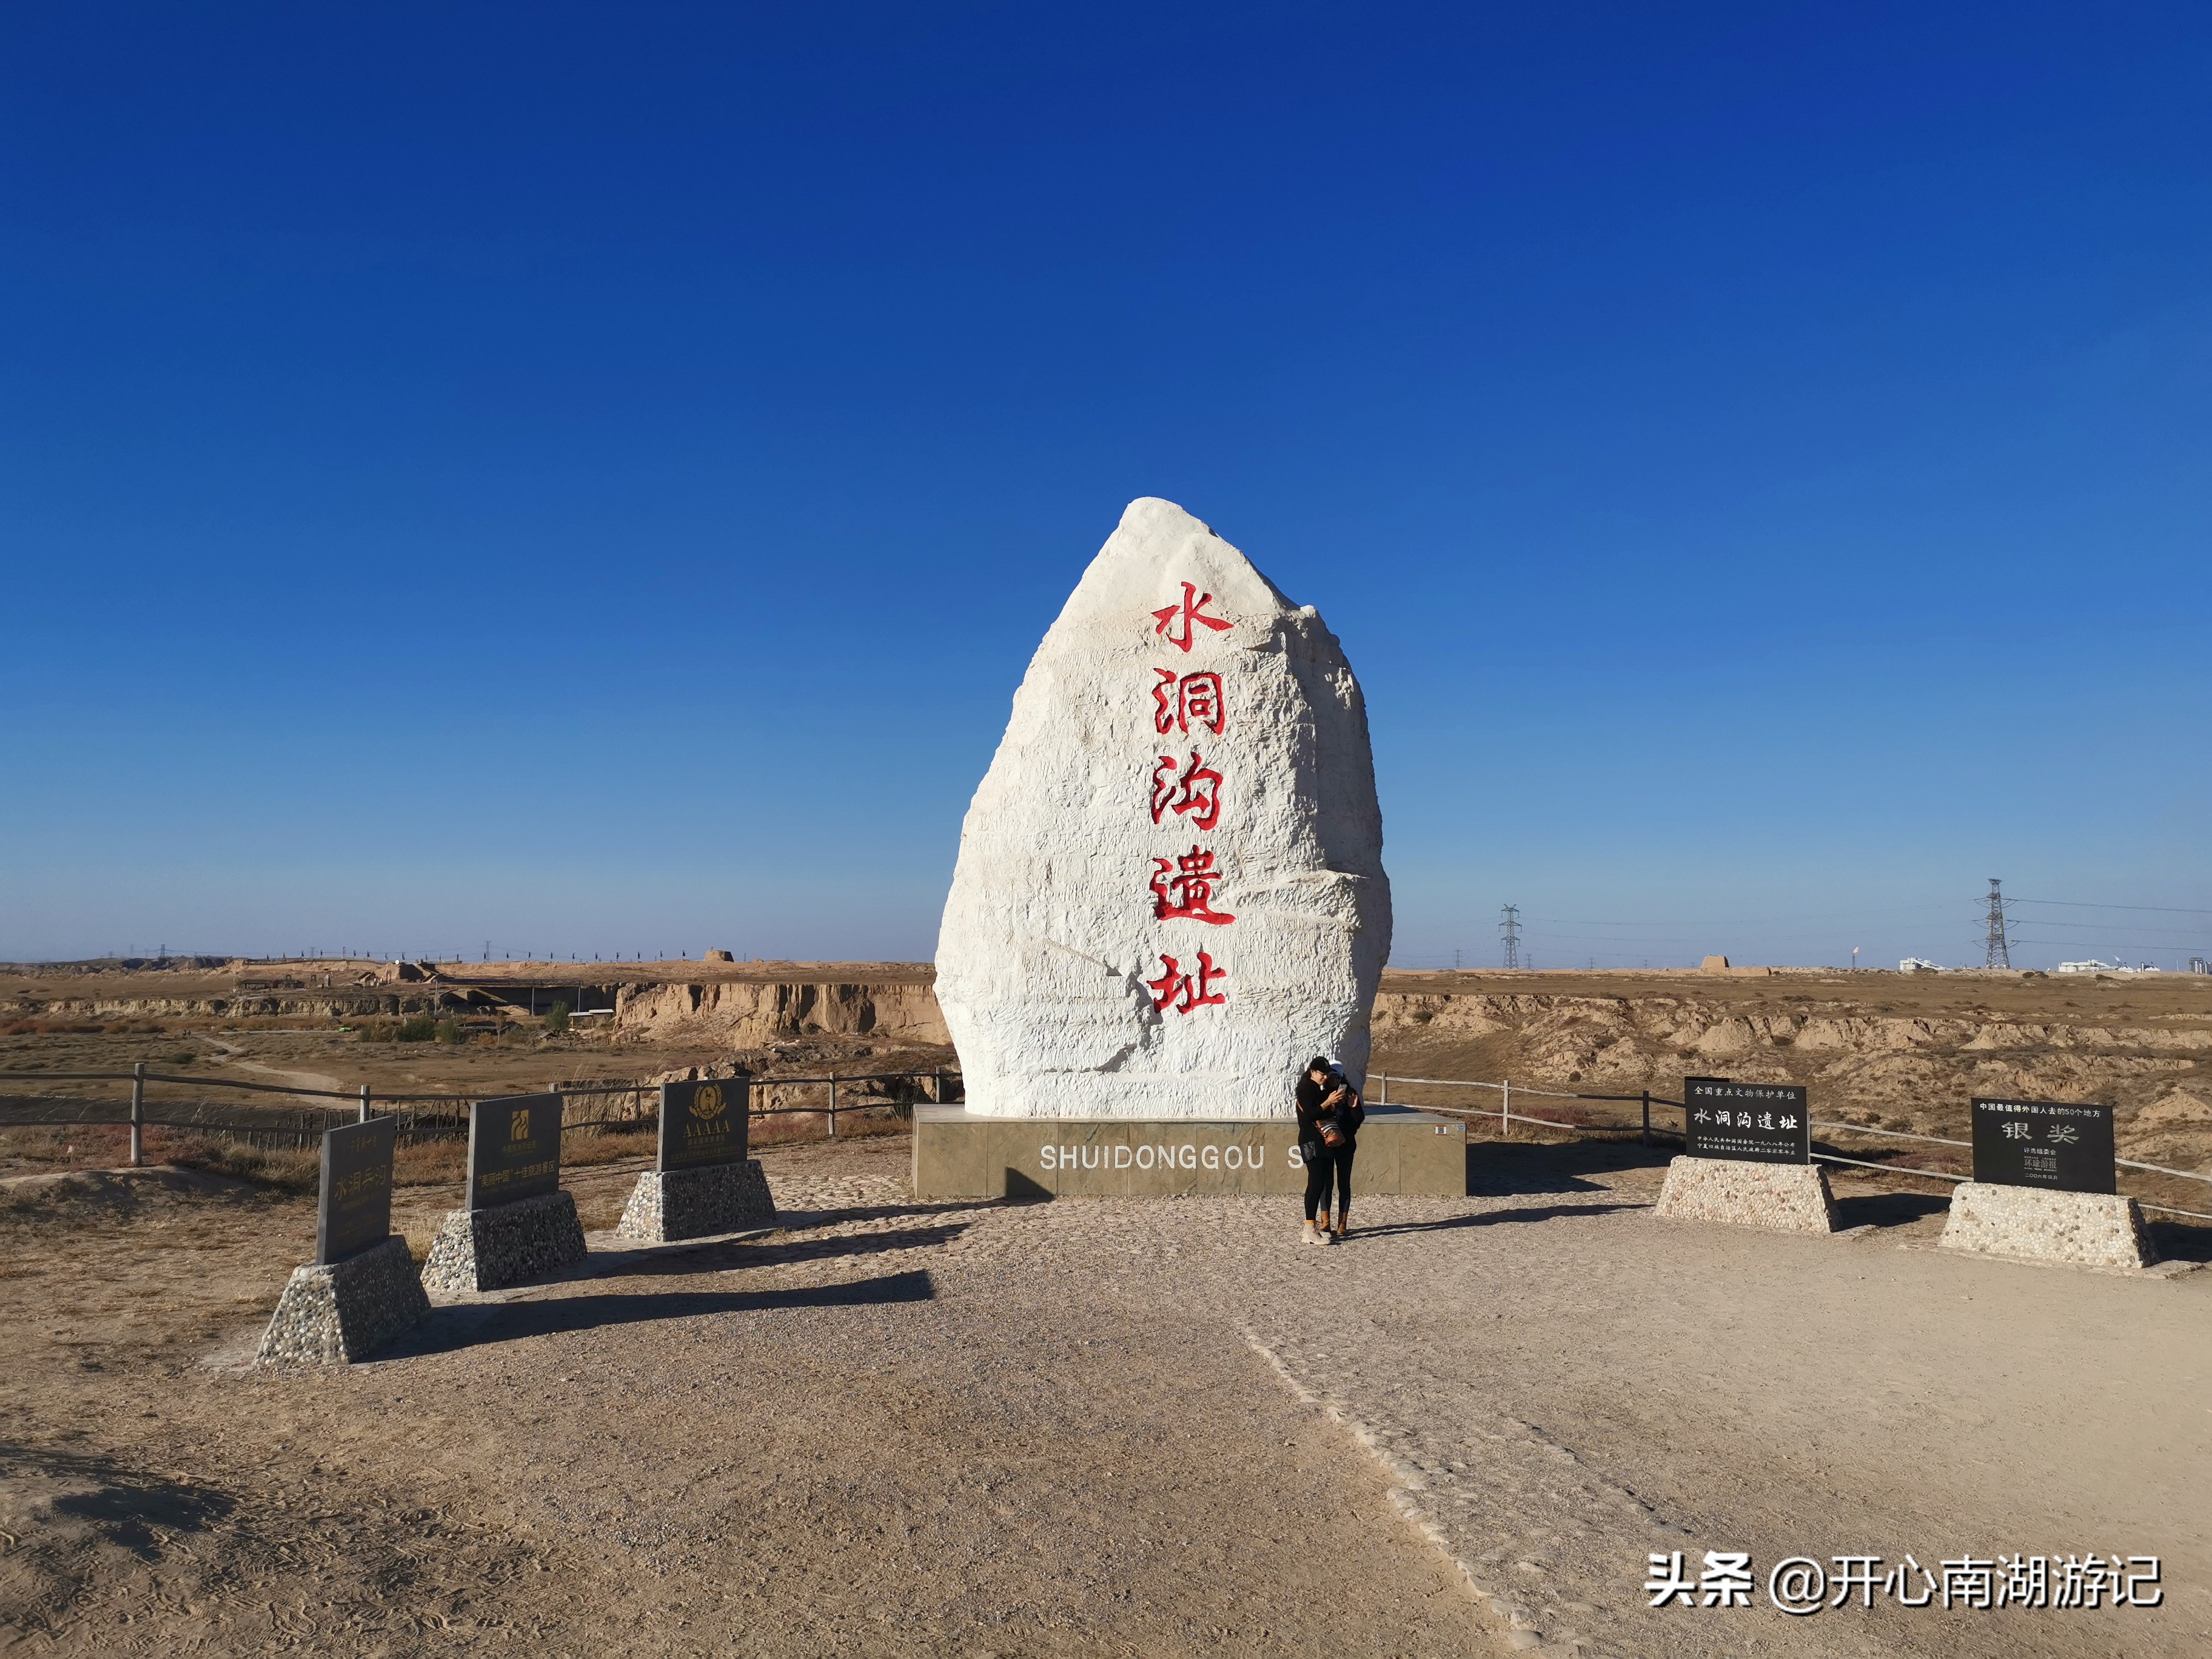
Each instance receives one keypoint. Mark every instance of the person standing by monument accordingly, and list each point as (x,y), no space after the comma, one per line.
(1329,1116)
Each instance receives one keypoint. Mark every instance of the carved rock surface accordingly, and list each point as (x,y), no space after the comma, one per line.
(1182,809)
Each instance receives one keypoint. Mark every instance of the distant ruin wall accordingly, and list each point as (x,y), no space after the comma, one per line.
(250,1005)
(747,1015)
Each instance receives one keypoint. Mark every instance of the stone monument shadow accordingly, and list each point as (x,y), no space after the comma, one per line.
(1498,1168)
(1492,1218)
(790,1220)
(450,1329)
(726,1256)
(1888,1209)
(2179,1241)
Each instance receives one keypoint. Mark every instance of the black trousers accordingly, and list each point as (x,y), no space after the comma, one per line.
(1317,1180)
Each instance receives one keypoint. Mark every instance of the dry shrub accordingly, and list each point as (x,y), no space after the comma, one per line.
(607,1146)
(67,1146)
(790,1128)
(288,1169)
(108,1147)
(431,1162)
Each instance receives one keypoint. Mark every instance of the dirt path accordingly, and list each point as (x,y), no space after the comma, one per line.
(1090,1426)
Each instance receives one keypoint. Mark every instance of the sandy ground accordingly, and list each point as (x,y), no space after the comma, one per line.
(1085,1426)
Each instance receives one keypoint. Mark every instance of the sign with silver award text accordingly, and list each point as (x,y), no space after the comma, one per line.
(1753,1122)
(354,1209)
(2064,1147)
(514,1150)
(704,1122)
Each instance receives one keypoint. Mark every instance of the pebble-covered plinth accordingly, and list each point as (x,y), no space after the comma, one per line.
(507,1245)
(721,1198)
(2033,1224)
(335,1315)
(1782,1198)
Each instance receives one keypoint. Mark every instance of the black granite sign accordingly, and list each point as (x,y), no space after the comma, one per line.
(1754,1122)
(514,1150)
(2043,1143)
(355,1211)
(705,1122)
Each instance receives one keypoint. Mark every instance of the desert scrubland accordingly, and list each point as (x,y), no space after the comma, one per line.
(1897,1051)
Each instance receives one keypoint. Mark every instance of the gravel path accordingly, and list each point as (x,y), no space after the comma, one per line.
(1091,1426)
(1558,1384)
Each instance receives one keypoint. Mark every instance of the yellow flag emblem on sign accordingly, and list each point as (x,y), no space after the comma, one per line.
(706,1103)
(518,1124)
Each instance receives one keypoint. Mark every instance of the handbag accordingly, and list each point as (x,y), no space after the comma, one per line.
(1310,1151)
(1332,1137)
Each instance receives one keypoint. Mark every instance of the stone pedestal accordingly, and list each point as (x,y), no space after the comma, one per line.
(334,1315)
(958,1154)
(507,1245)
(2033,1223)
(721,1198)
(1782,1198)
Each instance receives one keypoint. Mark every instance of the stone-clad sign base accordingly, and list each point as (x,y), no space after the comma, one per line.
(957,1154)
(2030,1224)
(334,1315)
(1782,1197)
(721,1198)
(508,1244)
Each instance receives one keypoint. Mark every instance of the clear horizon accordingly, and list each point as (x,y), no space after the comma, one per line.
(591,480)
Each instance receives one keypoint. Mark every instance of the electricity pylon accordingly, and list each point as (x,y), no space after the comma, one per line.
(1999,953)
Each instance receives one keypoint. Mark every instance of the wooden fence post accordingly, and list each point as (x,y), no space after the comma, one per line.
(364,1103)
(833,1105)
(138,1115)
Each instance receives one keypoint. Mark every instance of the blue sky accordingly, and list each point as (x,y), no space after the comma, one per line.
(589,478)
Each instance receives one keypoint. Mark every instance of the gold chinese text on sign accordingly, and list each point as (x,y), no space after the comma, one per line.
(515,1149)
(703,1123)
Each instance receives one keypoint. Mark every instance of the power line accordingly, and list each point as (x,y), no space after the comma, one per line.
(2169,947)
(1854,914)
(2106,928)
(1998,952)
(2080,904)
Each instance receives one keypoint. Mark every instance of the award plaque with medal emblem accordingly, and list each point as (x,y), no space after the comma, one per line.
(704,1123)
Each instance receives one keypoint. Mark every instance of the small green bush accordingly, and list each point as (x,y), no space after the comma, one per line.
(556,1019)
(417,1028)
(447,1031)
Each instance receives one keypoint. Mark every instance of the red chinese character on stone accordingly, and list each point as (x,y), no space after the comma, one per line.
(1192,609)
(1180,703)
(1182,890)
(1196,790)
(1186,991)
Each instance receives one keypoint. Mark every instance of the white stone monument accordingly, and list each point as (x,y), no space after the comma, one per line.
(1170,890)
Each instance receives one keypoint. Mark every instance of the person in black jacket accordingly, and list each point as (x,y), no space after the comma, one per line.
(1329,1116)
